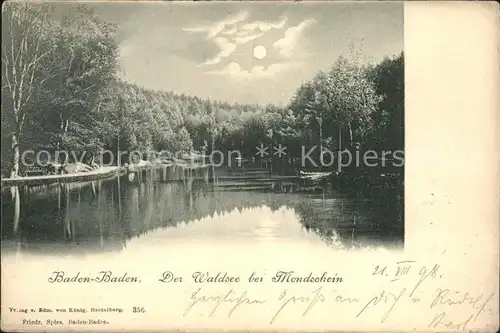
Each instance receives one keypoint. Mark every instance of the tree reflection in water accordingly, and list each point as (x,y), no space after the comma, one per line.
(103,215)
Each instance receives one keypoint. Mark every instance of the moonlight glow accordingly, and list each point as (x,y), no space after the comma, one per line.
(259,52)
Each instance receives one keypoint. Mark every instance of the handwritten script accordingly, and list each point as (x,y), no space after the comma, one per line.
(229,297)
(410,283)
(400,287)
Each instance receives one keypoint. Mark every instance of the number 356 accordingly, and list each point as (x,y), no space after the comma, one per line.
(138,309)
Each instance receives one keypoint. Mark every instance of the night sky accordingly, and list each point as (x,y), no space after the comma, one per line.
(207,49)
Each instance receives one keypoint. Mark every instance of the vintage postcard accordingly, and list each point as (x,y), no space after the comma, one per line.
(250,166)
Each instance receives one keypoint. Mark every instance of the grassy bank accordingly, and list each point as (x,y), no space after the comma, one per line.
(97,174)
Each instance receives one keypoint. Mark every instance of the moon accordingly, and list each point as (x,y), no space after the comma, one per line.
(259,52)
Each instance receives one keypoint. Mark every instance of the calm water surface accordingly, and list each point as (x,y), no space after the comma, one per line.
(105,215)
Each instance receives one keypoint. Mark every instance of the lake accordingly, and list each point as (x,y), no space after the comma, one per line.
(254,208)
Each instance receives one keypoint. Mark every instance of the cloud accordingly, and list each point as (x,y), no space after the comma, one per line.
(286,45)
(225,47)
(246,39)
(212,31)
(232,31)
(243,33)
(216,28)
(234,70)
(265,26)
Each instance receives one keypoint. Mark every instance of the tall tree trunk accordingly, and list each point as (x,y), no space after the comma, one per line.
(340,146)
(118,161)
(64,129)
(14,171)
(15,144)
(349,126)
(211,154)
(340,138)
(321,136)
(61,126)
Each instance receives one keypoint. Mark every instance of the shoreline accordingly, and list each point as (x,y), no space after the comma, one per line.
(101,173)
(98,174)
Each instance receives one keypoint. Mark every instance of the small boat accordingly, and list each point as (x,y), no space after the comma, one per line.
(314,175)
(195,156)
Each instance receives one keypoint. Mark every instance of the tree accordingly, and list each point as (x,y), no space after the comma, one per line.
(346,96)
(388,77)
(54,74)
(183,141)
(86,57)
(25,32)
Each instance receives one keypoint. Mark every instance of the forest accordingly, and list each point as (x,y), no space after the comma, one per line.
(61,90)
